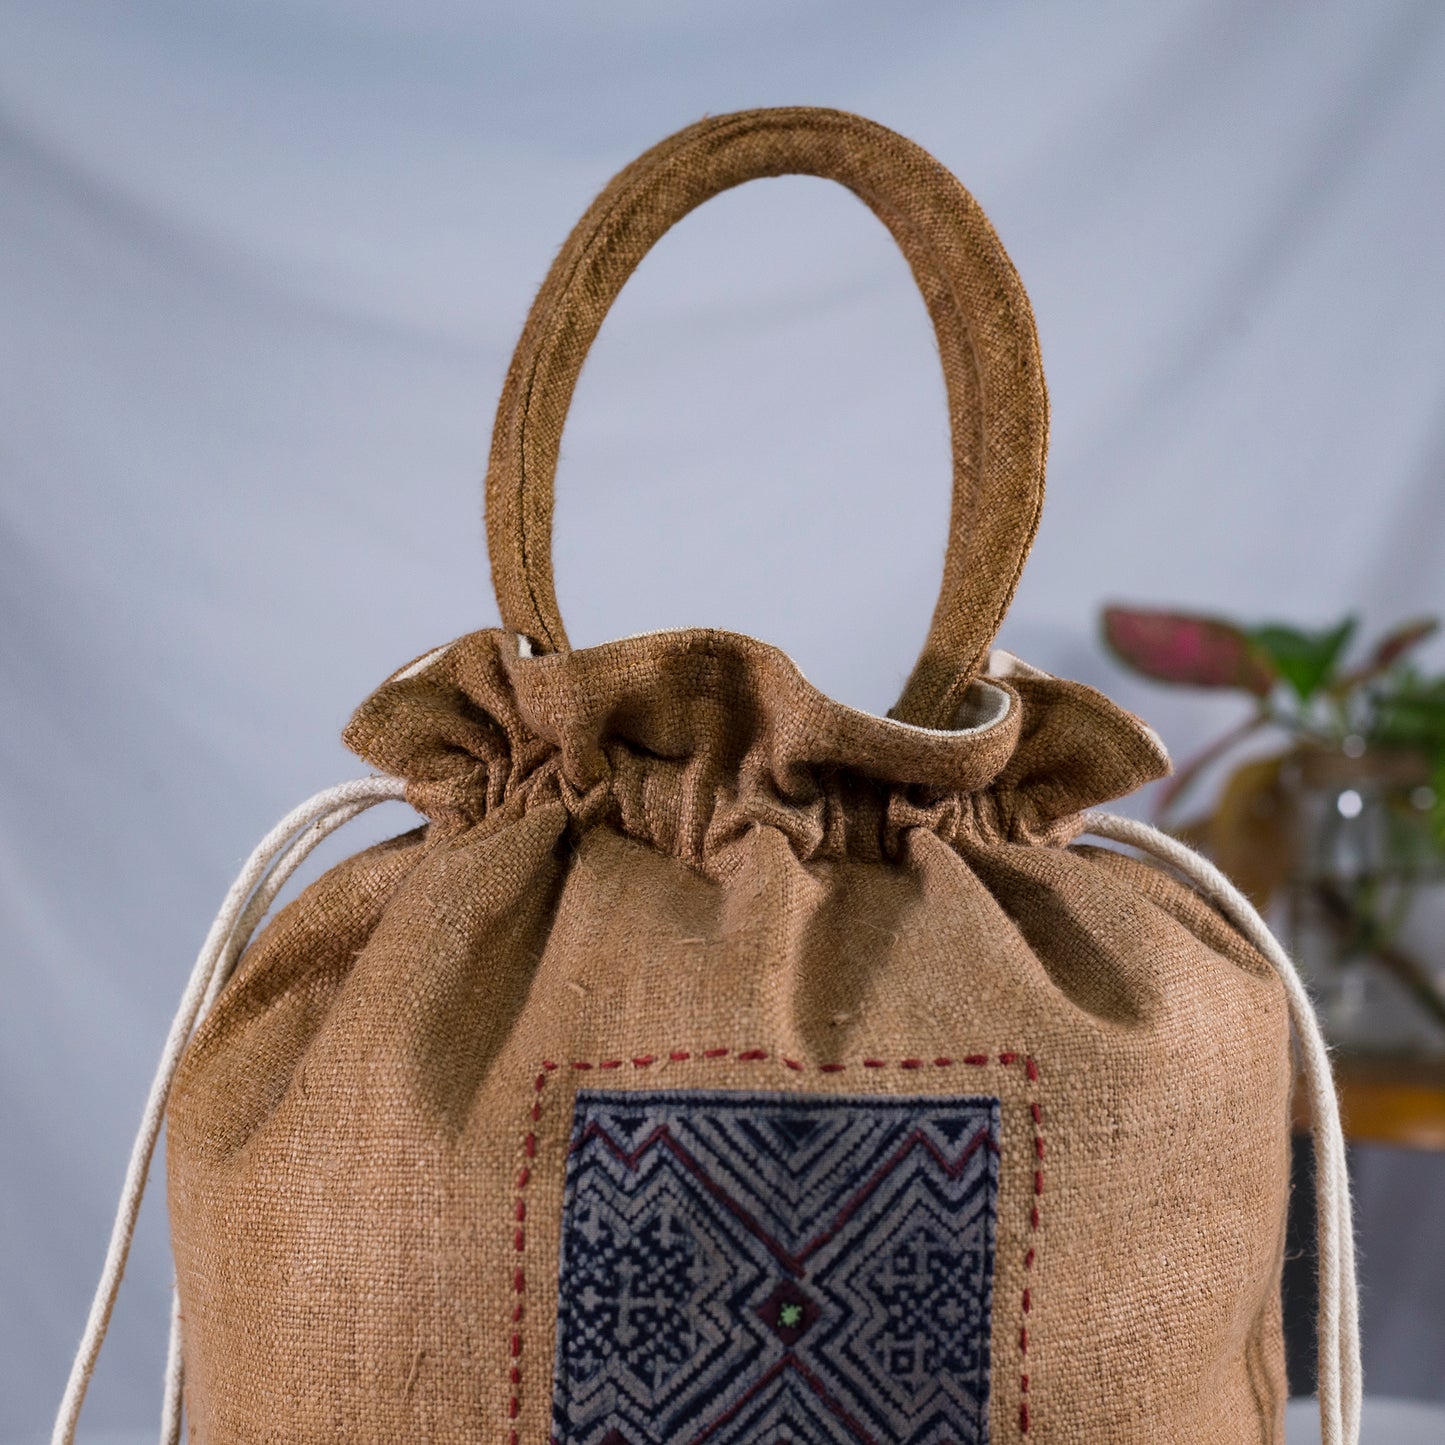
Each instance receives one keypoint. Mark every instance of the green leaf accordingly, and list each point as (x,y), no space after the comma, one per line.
(1182,648)
(1305,660)
(1411,714)
(1437,810)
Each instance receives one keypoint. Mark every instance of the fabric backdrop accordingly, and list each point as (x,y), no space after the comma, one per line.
(261,269)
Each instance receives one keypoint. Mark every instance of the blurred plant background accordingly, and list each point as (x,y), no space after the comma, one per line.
(1331,808)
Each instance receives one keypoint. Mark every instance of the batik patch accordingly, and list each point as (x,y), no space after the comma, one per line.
(748,1268)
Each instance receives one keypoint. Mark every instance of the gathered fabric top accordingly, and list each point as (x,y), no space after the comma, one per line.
(685,740)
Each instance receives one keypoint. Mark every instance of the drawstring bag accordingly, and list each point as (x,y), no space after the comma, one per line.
(719,1063)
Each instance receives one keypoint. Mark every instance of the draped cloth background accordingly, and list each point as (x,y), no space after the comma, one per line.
(261,269)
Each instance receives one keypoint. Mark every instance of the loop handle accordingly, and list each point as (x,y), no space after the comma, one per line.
(998,408)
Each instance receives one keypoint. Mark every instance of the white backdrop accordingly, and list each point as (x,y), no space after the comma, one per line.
(261,269)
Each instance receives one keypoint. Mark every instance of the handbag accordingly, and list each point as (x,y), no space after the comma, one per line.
(720,1063)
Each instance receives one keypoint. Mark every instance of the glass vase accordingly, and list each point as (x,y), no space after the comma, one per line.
(1366,899)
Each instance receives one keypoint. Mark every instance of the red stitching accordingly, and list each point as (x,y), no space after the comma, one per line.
(642,1061)
(519,1244)
(1031,1070)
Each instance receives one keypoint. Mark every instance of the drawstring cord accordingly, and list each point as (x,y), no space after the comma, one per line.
(1339,1322)
(283,850)
(276,858)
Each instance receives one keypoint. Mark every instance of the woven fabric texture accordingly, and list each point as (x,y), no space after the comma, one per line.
(669,866)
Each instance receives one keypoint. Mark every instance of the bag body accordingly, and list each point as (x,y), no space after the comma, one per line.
(722,1063)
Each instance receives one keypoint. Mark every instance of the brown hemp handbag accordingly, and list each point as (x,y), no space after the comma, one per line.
(720,1063)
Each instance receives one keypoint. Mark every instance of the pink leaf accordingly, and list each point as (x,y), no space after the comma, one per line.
(1394,645)
(1180,648)
(1388,651)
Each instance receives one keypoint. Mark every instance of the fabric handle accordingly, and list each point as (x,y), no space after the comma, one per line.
(998,408)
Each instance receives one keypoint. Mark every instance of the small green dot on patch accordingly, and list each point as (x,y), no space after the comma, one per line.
(790,1315)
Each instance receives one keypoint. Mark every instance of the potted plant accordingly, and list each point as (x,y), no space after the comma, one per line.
(1334,806)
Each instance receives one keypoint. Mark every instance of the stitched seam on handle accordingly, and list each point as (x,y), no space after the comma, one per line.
(549,1067)
(546,347)
(744,124)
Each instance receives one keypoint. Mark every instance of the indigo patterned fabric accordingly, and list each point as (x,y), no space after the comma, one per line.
(749,1268)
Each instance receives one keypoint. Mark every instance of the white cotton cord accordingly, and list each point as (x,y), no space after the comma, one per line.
(219,953)
(175,1377)
(1339,1323)
(256,909)
(275,880)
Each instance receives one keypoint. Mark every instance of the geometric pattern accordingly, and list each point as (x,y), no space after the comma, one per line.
(750,1268)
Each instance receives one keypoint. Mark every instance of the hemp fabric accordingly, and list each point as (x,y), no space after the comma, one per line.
(669,863)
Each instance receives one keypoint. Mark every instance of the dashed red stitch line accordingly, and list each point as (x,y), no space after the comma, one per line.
(642,1061)
(1031,1070)
(519,1246)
